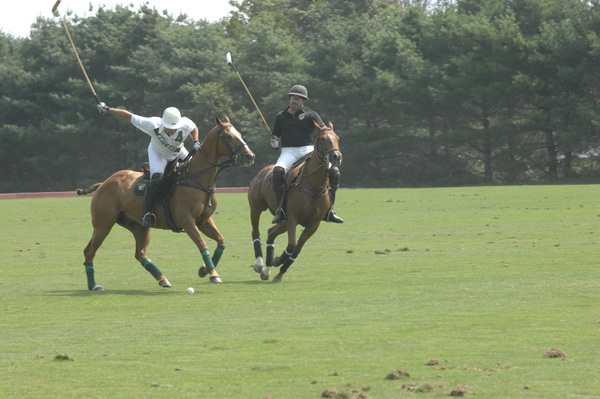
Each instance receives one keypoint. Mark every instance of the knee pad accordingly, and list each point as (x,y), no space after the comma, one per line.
(334,177)
(157,177)
(278,179)
(154,183)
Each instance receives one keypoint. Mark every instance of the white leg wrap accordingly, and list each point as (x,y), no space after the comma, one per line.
(258,265)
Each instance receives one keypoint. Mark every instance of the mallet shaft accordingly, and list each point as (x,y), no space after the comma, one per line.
(253,102)
(230,63)
(80,63)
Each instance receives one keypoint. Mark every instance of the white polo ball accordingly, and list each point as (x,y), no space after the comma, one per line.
(190,290)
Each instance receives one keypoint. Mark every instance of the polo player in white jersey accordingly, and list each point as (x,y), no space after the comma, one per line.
(167,136)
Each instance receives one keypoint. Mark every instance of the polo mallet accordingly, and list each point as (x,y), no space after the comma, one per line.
(55,6)
(230,63)
(78,59)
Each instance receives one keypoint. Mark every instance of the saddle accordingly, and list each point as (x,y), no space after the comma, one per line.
(170,180)
(292,177)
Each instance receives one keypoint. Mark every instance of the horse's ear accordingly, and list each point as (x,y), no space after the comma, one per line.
(217,120)
(225,118)
(331,125)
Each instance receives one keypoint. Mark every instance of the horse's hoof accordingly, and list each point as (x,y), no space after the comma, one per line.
(276,280)
(97,288)
(257,268)
(265,273)
(214,277)
(163,282)
(202,272)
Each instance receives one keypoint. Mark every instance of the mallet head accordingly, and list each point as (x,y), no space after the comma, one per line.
(229,62)
(55,6)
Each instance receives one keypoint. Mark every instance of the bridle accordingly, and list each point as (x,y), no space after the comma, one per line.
(235,155)
(323,155)
(231,161)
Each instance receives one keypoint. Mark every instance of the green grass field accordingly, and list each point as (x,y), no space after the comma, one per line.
(422,293)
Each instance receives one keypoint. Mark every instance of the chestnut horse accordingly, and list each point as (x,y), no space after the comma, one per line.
(192,203)
(307,202)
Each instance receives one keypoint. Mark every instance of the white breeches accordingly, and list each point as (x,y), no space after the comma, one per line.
(289,155)
(158,163)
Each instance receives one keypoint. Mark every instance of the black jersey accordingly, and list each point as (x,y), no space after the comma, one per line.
(296,130)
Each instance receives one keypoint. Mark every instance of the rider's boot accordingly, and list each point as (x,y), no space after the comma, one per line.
(334,182)
(278,185)
(149,219)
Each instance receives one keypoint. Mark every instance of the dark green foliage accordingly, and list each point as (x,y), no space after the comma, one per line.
(421,92)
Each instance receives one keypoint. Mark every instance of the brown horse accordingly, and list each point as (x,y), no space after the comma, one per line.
(192,203)
(307,202)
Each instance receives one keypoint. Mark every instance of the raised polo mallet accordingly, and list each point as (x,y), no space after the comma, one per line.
(230,63)
(78,59)
(55,6)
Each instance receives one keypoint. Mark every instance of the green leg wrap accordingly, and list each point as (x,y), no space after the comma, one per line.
(151,267)
(217,255)
(89,271)
(208,262)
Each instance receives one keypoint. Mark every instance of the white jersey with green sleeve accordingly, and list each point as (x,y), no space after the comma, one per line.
(165,145)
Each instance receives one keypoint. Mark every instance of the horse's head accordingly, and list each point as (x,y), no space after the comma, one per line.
(327,145)
(231,144)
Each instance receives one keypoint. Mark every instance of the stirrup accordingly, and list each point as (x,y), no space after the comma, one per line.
(279,216)
(149,219)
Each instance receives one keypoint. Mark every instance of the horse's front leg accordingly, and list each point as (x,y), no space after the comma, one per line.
(142,239)
(286,259)
(209,229)
(293,250)
(208,268)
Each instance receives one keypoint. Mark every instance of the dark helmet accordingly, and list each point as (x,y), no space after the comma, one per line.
(300,91)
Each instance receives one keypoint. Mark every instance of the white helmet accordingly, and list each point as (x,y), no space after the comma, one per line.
(172,118)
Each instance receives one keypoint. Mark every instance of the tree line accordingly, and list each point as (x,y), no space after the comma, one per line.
(421,93)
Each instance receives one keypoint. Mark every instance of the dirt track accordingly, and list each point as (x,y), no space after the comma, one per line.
(56,194)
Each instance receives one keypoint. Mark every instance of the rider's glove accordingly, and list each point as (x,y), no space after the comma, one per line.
(102,108)
(197,145)
(274,142)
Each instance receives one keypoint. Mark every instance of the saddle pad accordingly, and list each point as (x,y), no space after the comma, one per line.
(140,185)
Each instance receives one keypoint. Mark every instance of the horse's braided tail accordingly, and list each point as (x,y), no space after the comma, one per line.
(90,189)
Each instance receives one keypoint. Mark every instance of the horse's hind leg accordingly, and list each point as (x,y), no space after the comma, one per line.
(142,240)
(259,189)
(273,232)
(89,253)
(104,214)
(255,212)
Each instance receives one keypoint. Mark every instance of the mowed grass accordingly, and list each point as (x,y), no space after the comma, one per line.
(460,291)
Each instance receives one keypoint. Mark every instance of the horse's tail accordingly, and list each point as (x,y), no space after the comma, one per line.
(90,189)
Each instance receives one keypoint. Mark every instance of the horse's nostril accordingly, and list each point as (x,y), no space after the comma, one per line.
(337,158)
(249,158)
